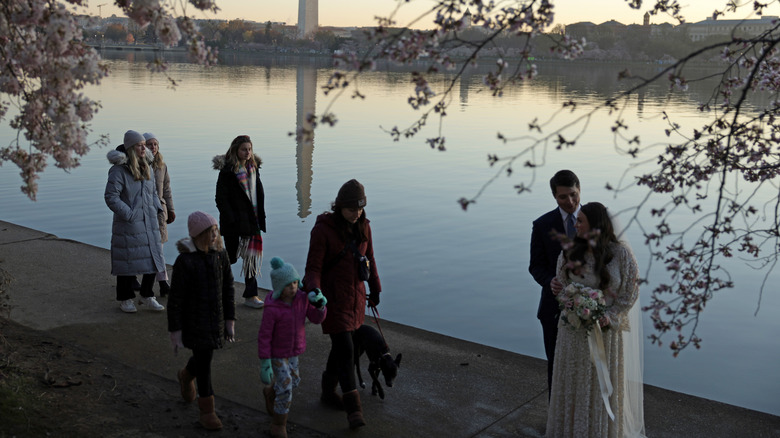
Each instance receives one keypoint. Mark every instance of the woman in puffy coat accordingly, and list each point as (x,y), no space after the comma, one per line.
(167,215)
(135,234)
(201,311)
(241,203)
(339,238)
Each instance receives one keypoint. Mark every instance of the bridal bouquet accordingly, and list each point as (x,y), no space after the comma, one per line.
(581,306)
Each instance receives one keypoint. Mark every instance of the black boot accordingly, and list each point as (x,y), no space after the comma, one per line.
(330,396)
(165,289)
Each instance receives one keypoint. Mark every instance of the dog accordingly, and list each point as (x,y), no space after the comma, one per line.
(367,339)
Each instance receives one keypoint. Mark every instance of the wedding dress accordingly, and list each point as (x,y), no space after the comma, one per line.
(577,407)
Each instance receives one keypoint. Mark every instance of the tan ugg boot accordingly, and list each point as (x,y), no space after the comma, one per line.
(187,382)
(208,418)
(330,397)
(279,426)
(354,409)
(270,396)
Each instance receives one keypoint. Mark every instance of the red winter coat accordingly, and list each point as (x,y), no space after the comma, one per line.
(340,284)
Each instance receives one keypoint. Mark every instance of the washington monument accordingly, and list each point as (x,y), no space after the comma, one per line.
(307,17)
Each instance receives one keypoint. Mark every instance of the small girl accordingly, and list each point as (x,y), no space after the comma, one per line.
(282,338)
(201,311)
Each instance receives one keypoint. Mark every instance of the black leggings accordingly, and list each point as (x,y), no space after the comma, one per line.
(199,366)
(341,360)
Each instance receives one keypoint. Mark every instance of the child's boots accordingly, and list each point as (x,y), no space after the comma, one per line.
(279,426)
(187,382)
(208,418)
(270,396)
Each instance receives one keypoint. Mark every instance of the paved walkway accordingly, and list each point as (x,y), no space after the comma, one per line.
(446,387)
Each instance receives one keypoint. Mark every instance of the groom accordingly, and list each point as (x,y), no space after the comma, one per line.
(565,188)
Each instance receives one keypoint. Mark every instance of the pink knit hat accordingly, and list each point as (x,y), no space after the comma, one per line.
(199,222)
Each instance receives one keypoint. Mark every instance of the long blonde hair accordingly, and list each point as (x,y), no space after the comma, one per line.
(231,157)
(138,167)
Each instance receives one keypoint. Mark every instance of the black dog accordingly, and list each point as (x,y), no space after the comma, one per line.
(367,339)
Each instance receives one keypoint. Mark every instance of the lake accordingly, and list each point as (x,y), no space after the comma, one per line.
(463,274)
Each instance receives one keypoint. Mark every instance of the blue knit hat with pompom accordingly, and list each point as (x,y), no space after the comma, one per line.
(282,274)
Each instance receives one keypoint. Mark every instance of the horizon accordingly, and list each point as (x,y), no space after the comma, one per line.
(360,13)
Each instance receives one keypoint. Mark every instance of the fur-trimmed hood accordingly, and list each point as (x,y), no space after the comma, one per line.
(186,245)
(219,162)
(119,157)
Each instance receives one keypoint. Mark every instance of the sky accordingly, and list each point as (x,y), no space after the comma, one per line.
(347,13)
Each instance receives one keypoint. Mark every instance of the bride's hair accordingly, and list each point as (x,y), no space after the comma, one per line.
(598,219)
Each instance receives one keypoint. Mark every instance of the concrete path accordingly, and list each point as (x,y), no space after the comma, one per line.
(446,387)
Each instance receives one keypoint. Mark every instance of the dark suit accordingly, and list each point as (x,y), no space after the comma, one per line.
(544,258)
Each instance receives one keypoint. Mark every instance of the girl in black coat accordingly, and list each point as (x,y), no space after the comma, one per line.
(240,201)
(201,312)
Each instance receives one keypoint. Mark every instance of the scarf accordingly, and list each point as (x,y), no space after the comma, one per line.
(250,248)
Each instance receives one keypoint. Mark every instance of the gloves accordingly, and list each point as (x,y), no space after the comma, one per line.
(373,299)
(230,330)
(171,217)
(176,341)
(266,372)
(317,298)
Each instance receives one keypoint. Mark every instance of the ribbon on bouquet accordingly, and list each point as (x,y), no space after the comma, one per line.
(599,358)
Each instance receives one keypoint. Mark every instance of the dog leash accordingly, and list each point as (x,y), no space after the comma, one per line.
(376,319)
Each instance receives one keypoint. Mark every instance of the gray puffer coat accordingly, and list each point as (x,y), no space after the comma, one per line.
(135,233)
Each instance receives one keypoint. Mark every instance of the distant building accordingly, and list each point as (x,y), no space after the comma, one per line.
(307,17)
(740,28)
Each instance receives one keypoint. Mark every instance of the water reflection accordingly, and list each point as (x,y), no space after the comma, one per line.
(306,90)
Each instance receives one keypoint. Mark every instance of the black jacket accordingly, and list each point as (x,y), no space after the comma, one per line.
(202,296)
(236,215)
(544,259)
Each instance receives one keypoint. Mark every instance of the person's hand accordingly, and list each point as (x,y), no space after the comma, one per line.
(266,372)
(230,330)
(171,217)
(317,298)
(556,286)
(176,341)
(604,321)
(373,299)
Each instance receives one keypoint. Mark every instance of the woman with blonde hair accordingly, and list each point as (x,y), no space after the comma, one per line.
(167,215)
(241,204)
(135,234)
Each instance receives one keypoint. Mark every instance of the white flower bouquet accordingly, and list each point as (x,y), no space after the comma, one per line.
(581,306)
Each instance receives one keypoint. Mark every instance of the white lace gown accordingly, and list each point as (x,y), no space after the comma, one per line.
(576,407)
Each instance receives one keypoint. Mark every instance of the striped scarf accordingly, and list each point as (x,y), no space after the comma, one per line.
(250,248)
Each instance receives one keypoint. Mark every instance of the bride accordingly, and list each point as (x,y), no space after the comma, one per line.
(597,386)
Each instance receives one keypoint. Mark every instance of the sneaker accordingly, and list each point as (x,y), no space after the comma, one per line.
(152,303)
(127,306)
(254,302)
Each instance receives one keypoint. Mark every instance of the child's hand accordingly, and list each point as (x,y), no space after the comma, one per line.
(266,372)
(230,330)
(317,298)
(176,341)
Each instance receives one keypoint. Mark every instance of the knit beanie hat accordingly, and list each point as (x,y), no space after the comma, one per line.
(148,136)
(132,137)
(282,274)
(198,222)
(351,195)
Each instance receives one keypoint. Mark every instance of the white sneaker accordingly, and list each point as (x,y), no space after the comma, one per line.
(254,302)
(152,303)
(127,306)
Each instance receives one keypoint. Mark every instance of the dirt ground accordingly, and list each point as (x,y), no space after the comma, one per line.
(48,388)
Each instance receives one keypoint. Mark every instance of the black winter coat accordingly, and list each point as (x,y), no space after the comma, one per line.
(201,297)
(236,214)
